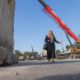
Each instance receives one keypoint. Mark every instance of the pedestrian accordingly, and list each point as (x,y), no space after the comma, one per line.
(50,45)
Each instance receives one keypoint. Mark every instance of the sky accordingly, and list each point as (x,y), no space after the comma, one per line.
(31,24)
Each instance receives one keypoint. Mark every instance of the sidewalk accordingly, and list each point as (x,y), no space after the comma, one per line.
(42,70)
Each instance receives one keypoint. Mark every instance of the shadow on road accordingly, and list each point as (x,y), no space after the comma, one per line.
(62,77)
(39,62)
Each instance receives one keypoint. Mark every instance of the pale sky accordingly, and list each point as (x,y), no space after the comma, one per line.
(31,24)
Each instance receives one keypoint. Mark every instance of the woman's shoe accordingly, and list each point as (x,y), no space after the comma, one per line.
(49,60)
(52,60)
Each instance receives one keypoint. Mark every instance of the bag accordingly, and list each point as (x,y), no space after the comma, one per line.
(45,46)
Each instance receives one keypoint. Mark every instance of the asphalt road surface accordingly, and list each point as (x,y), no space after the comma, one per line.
(42,70)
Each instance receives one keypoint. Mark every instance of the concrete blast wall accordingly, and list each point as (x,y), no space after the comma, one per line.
(7,8)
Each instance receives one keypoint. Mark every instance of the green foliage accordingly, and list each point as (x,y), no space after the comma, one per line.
(58,51)
(30,54)
(27,53)
(18,53)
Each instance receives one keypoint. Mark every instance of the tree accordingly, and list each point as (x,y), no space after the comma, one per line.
(67,48)
(58,51)
(30,54)
(18,53)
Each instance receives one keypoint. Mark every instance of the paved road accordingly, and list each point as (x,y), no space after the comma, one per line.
(42,70)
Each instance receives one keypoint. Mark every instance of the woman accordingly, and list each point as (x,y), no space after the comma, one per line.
(50,44)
